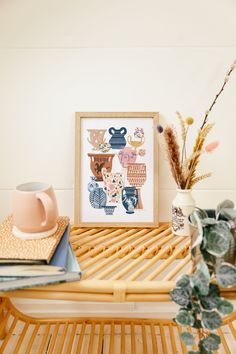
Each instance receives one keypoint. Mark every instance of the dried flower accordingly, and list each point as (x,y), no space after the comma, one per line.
(172,148)
(212,146)
(159,128)
(189,120)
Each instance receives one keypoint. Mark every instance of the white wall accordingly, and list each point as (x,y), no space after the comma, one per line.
(58,57)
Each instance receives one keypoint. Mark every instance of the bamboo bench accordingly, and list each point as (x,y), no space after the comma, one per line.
(118,265)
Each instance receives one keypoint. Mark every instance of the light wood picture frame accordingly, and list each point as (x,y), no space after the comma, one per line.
(116,169)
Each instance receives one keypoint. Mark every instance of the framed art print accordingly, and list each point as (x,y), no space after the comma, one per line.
(116,169)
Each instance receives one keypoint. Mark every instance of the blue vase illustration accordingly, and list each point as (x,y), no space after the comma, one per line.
(129,199)
(117,140)
(97,196)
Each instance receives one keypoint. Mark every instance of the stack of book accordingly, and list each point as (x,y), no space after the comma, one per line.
(31,263)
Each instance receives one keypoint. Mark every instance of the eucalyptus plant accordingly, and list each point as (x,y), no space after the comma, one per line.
(198,295)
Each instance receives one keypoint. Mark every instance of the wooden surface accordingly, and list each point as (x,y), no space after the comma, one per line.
(100,335)
(123,265)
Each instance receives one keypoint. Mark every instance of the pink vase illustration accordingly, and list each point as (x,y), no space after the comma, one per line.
(126,156)
(113,184)
(137,175)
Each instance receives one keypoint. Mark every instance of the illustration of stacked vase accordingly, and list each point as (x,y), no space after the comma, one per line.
(108,188)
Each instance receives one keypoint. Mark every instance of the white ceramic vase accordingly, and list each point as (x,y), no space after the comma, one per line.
(182,206)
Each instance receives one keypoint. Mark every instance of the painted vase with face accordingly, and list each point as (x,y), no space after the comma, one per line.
(113,184)
(126,156)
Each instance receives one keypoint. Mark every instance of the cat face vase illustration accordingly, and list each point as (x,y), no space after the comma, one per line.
(117,140)
(98,162)
(97,196)
(96,137)
(129,199)
(126,156)
(113,184)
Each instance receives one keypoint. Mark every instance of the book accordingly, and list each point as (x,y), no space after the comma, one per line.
(56,265)
(15,250)
(73,273)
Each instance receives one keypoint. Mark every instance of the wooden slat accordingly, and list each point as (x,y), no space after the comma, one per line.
(8,335)
(21,338)
(53,338)
(81,337)
(112,336)
(144,339)
(100,339)
(91,338)
(63,337)
(44,339)
(72,338)
(30,344)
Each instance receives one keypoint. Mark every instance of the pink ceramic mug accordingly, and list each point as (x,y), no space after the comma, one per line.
(34,208)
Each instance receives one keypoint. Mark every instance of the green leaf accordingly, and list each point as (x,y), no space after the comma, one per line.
(180,296)
(218,239)
(212,342)
(183,281)
(184,318)
(209,221)
(225,307)
(193,352)
(229,214)
(201,278)
(211,320)
(187,338)
(226,275)
(208,258)
(223,205)
(212,299)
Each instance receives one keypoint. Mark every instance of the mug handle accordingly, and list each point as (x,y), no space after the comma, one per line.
(48,205)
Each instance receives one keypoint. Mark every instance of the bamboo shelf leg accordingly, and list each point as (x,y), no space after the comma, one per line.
(3,320)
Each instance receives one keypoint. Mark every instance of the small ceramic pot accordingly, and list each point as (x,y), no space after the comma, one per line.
(99,161)
(96,137)
(109,209)
(126,156)
(117,140)
(113,185)
(129,199)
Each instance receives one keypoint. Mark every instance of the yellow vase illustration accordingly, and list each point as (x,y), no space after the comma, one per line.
(136,143)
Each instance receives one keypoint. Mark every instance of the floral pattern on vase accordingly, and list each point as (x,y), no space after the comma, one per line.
(113,184)
(117,140)
(127,155)
(98,162)
(138,138)
(129,199)
(96,137)
(137,175)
